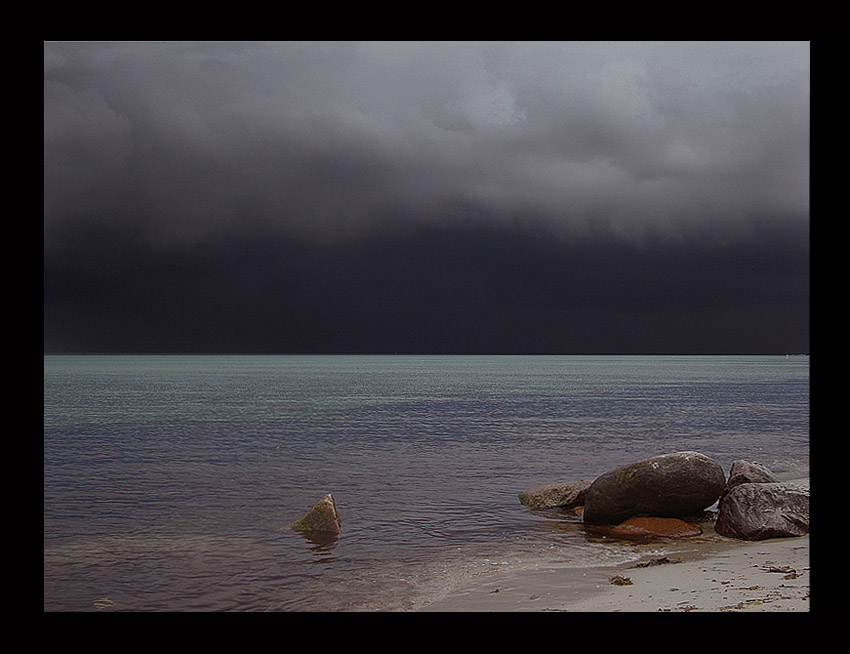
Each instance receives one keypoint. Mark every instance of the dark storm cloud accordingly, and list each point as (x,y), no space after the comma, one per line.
(428,196)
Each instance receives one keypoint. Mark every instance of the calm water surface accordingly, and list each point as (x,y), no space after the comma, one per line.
(170,481)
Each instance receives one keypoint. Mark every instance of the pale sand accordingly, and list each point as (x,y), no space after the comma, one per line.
(734,576)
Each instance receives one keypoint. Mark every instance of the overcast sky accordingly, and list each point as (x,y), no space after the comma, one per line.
(569,197)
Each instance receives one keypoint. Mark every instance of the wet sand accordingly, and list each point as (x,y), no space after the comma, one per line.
(733,576)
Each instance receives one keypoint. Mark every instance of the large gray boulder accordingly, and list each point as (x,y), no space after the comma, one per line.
(668,486)
(565,495)
(757,511)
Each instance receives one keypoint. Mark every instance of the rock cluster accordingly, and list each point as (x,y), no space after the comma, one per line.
(656,496)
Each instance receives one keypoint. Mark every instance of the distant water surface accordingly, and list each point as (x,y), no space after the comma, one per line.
(170,481)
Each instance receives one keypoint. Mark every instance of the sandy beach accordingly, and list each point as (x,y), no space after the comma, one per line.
(731,576)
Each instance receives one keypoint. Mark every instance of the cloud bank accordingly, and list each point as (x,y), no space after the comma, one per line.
(294,180)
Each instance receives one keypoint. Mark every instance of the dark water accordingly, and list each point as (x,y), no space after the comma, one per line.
(170,481)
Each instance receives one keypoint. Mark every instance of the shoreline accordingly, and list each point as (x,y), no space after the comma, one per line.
(734,576)
(709,573)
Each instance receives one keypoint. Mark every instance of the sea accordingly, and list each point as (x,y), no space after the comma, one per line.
(171,482)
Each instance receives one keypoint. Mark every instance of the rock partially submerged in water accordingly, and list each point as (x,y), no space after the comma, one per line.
(757,511)
(645,498)
(668,486)
(564,495)
(648,527)
(323,517)
(643,528)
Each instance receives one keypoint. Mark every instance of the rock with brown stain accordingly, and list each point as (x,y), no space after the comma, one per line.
(651,526)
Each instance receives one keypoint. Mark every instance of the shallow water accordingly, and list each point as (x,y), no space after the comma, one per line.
(170,482)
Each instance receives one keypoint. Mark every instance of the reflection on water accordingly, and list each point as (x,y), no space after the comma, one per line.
(169,482)
(322,544)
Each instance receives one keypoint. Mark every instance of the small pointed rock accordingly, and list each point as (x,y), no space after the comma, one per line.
(322,517)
